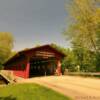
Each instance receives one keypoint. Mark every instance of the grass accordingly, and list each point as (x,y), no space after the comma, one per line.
(29,92)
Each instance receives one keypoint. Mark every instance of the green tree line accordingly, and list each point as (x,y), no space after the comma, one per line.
(6,45)
(84,32)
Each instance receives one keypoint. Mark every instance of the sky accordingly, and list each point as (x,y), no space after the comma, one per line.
(34,22)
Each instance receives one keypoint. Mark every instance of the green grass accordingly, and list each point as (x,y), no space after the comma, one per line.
(29,92)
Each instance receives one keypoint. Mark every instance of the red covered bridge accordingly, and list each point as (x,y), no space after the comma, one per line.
(38,61)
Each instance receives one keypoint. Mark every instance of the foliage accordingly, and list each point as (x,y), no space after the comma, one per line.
(59,48)
(29,92)
(12,54)
(84,32)
(6,45)
(85,59)
(98,62)
(98,39)
(84,17)
(69,61)
(98,53)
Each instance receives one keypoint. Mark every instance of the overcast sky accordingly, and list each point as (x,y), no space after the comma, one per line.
(33,22)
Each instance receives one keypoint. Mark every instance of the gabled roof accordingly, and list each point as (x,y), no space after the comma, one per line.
(21,54)
(41,47)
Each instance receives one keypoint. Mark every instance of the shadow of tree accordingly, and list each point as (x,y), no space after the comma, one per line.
(8,98)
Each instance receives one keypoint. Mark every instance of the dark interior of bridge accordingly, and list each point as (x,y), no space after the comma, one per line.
(42,67)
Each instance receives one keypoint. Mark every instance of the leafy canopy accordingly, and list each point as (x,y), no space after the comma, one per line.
(6,45)
(84,18)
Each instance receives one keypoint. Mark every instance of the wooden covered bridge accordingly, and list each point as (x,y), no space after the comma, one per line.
(38,61)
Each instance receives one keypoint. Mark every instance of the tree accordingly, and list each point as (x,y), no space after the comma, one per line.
(84,20)
(84,32)
(69,62)
(59,48)
(98,53)
(13,53)
(85,59)
(6,45)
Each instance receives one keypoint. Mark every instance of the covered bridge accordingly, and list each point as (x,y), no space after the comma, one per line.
(38,61)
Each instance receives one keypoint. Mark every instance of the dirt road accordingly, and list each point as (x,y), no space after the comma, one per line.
(77,88)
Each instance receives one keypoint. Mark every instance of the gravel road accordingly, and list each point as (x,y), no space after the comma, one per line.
(78,88)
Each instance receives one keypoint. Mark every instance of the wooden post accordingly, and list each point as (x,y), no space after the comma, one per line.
(58,70)
(28,68)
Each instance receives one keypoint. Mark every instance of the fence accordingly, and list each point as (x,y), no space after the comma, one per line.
(7,74)
(85,74)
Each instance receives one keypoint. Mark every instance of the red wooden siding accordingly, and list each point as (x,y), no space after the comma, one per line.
(22,73)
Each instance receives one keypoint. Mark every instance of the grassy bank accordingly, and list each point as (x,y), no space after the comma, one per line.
(29,92)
